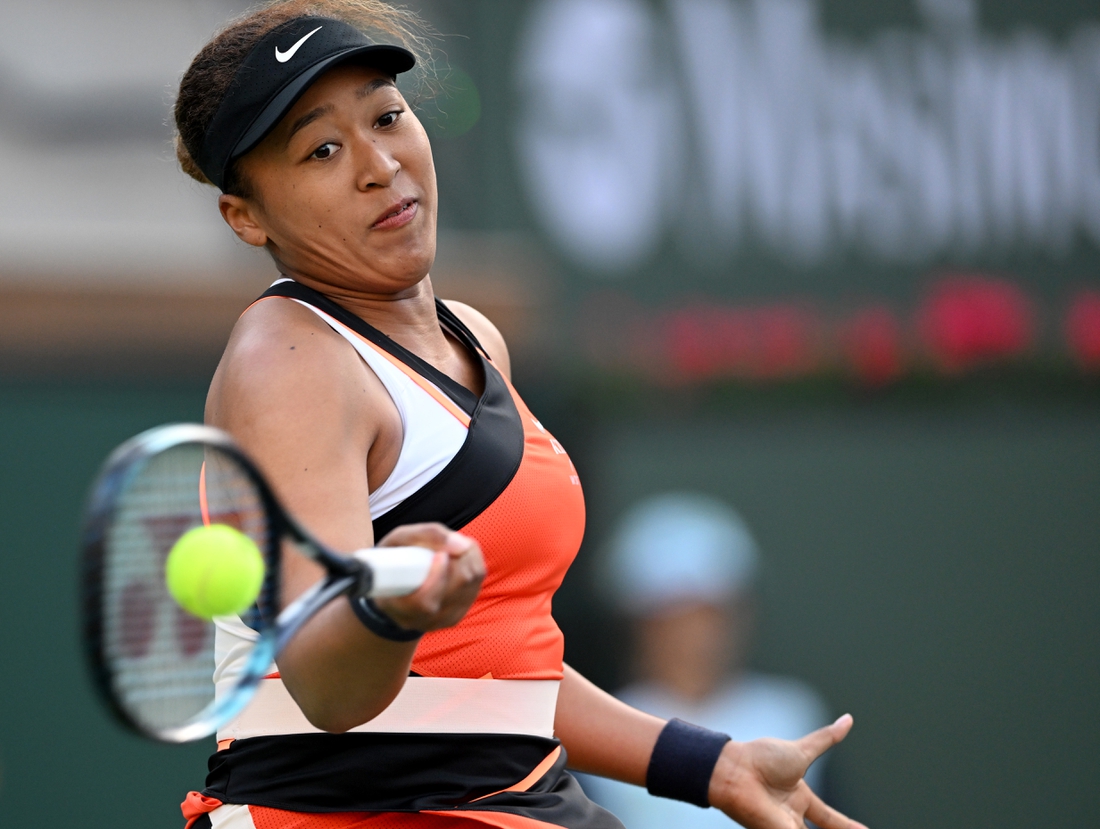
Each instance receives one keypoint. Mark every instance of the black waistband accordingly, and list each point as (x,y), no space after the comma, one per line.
(371,772)
(404,773)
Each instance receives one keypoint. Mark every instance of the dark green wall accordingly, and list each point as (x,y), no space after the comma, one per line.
(935,571)
(64,763)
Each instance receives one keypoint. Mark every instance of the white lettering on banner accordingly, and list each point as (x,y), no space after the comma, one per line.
(600,137)
(723,119)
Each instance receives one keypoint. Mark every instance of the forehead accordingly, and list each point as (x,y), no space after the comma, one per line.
(339,85)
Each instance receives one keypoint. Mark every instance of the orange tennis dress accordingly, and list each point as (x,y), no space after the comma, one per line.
(469,740)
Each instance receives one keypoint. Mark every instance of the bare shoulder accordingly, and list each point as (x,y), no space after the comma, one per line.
(487,334)
(286,375)
(275,344)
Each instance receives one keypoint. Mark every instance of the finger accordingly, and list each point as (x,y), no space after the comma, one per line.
(470,563)
(827,817)
(818,742)
(464,578)
(415,608)
(433,536)
(459,545)
(452,584)
(436,581)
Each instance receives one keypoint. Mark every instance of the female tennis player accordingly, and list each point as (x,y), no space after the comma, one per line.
(380,412)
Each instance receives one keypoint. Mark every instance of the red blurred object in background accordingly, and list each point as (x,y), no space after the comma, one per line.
(871,341)
(788,341)
(970,320)
(1082,329)
(766,342)
(702,342)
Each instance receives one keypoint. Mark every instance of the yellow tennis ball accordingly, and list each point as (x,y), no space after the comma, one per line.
(214,571)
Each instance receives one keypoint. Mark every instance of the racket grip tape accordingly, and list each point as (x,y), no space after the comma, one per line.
(395,571)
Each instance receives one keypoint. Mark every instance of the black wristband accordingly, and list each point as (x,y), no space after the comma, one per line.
(379,623)
(683,761)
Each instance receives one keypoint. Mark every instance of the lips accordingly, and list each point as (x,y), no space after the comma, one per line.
(399,214)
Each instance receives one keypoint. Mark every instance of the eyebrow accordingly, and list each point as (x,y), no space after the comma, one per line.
(364,91)
(308,119)
(371,87)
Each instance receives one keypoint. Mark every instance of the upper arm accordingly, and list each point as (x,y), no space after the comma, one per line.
(486,333)
(299,402)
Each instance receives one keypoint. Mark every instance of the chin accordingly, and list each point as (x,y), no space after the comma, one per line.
(406,273)
(418,259)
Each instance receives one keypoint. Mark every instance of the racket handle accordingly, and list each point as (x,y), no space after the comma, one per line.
(397,571)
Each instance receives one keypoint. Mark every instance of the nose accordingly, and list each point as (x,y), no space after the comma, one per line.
(377,165)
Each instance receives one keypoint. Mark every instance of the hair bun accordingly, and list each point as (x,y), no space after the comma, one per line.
(187,163)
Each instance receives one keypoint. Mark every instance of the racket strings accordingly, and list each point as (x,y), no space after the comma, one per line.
(161,657)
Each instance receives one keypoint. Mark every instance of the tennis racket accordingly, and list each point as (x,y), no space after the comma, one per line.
(154,662)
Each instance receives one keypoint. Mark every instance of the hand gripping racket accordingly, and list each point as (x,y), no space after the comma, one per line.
(152,660)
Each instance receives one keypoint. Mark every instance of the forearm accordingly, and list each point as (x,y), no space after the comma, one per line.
(340,674)
(603,735)
(343,674)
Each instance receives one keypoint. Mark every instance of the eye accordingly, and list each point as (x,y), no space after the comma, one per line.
(389,119)
(326,150)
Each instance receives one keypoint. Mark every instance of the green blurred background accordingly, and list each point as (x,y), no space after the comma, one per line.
(930,533)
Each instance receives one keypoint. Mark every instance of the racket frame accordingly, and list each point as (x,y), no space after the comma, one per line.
(343,574)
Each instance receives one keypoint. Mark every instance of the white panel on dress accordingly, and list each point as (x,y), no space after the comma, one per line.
(432,435)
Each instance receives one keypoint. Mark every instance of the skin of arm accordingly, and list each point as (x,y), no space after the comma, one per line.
(302,404)
(603,735)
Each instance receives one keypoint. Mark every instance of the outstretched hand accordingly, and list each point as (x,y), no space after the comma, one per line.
(760,785)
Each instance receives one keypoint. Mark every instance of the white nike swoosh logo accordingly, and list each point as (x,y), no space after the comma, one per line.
(283,57)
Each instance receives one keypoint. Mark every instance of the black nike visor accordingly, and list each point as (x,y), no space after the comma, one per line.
(276,73)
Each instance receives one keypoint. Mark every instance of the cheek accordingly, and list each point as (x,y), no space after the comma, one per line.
(298,218)
(419,160)
(291,225)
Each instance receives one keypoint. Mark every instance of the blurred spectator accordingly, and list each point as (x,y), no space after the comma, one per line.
(682,566)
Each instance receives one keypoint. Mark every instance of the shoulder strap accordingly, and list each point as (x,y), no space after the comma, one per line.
(462,396)
(458,328)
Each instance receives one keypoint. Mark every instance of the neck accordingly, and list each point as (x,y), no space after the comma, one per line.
(407,317)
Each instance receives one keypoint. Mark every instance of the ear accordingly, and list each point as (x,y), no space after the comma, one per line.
(240,215)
